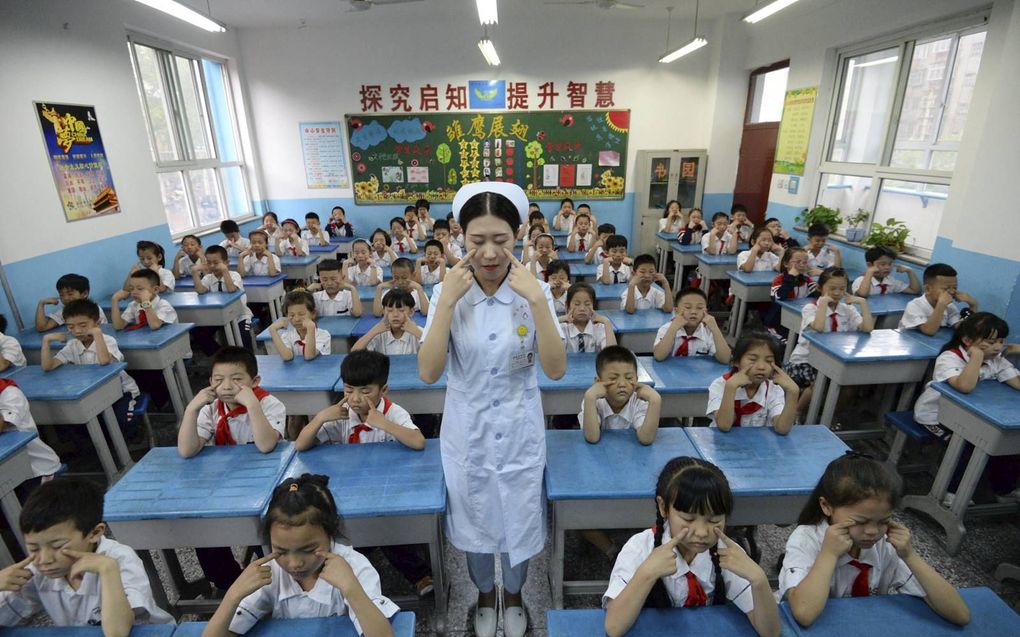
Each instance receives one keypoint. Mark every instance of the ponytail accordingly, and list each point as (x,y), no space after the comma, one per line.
(304,500)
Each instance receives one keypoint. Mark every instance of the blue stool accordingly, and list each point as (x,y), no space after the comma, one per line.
(906,427)
(140,413)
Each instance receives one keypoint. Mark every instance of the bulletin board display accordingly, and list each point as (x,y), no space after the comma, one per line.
(550,154)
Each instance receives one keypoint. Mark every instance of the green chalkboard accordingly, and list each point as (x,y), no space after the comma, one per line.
(580,154)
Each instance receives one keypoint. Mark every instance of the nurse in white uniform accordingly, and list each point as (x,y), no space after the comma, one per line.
(492,320)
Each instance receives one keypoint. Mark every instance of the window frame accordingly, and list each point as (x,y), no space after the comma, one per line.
(904,42)
(180,132)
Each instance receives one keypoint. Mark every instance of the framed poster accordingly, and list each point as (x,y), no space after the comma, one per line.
(795,131)
(322,149)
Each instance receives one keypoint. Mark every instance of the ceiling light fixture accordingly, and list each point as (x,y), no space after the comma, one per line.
(773,7)
(487,12)
(181,12)
(488,51)
(695,43)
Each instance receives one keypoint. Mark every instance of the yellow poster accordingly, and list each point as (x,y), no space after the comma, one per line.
(795,131)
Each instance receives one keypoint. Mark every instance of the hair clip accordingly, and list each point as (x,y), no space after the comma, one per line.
(294,486)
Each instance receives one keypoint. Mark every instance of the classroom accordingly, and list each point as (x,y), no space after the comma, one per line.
(560,263)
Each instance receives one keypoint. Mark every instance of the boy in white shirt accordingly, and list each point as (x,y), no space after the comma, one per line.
(296,333)
(290,243)
(935,308)
(559,282)
(359,268)
(617,401)
(581,237)
(216,276)
(564,219)
(10,349)
(692,332)
(74,573)
(15,415)
(234,243)
(452,250)
(763,255)
(877,280)
(257,260)
(333,294)
(614,268)
(187,257)
(598,252)
(402,272)
(313,232)
(70,287)
(641,294)
(396,333)
(146,307)
(431,268)
(583,329)
(820,255)
(741,228)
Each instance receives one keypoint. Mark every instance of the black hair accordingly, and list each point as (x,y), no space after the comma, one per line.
(299,297)
(340,208)
(386,235)
(233,355)
(440,224)
(400,221)
(546,235)
(616,241)
(328,265)
(81,307)
(363,242)
(450,215)
(309,502)
(73,281)
(565,200)
(293,222)
(831,273)
(219,251)
(849,479)
(365,367)
(490,203)
(535,215)
(402,262)
(270,213)
(532,204)
(147,274)
(690,292)
(421,203)
(311,215)
(397,297)
(614,354)
(720,215)
(433,243)
(818,230)
(191,236)
(582,214)
(581,287)
(606,228)
(771,219)
(557,265)
(935,270)
(411,209)
(874,254)
(154,247)
(690,485)
(261,232)
(74,500)
(757,233)
(583,205)
(665,211)
(977,326)
(643,259)
(229,225)
(784,262)
(754,339)
(535,228)
(738,207)
(3,323)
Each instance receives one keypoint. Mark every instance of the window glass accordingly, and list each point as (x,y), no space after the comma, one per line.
(869,83)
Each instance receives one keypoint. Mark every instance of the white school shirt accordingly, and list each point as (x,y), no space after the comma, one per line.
(83,607)
(164,311)
(700,343)
(458,240)
(826,258)
(314,239)
(594,335)
(240,425)
(616,275)
(770,396)
(640,546)
(723,243)
(292,340)
(383,261)
(632,416)
(892,285)
(166,279)
(848,319)
(949,364)
(566,223)
(57,316)
(889,575)
(675,228)
(403,245)
(456,249)
(655,298)
(338,432)
(74,352)
(429,277)
(185,264)
(232,251)
(588,240)
(255,266)
(744,232)
(293,248)
(390,345)
(283,597)
(340,305)
(917,312)
(560,303)
(357,276)
(766,262)
(214,283)
(11,350)
(14,410)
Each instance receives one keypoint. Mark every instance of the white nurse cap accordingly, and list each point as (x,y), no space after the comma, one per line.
(513,192)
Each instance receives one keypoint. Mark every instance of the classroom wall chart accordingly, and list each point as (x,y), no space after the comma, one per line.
(322,149)
(795,131)
(77,158)
(550,154)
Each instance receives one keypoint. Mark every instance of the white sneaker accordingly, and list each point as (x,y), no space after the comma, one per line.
(485,622)
(947,500)
(515,621)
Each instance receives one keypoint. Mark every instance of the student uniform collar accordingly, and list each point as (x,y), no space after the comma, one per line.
(760,395)
(321,593)
(381,407)
(589,329)
(504,294)
(701,565)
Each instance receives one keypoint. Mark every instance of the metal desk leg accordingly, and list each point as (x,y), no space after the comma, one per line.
(235,327)
(976,466)
(228,332)
(677,275)
(102,449)
(931,504)
(437,557)
(816,398)
(556,561)
(274,309)
(791,342)
(173,387)
(6,559)
(831,398)
(117,436)
(182,378)
(906,396)
(158,592)
(12,511)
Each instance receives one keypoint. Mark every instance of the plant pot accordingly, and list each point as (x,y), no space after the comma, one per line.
(854,234)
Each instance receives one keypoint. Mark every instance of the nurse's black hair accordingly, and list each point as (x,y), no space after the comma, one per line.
(490,203)
(690,485)
(303,500)
(849,479)
(978,326)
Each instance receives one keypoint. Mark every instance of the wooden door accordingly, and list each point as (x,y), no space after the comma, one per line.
(765,91)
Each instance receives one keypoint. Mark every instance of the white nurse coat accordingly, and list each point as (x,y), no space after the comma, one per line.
(493,433)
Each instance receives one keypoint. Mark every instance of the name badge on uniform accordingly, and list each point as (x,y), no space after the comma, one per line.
(522,357)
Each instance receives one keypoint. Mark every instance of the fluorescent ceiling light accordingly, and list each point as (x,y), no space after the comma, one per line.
(181,12)
(487,11)
(691,46)
(773,7)
(489,51)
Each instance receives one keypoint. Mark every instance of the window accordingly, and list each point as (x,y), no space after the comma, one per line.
(896,123)
(193,135)
(767,94)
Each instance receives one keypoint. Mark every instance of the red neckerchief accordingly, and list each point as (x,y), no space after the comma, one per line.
(683,349)
(143,320)
(739,411)
(833,318)
(958,352)
(223,436)
(695,592)
(5,383)
(355,435)
(860,588)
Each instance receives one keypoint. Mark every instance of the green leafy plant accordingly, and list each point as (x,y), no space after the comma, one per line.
(820,214)
(893,234)
(857,219)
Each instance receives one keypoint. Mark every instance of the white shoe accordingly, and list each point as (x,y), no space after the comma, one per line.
(515,621)
(950,497)
(485,622)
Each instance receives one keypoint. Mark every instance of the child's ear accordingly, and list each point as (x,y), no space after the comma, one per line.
(826,507)
(385,388)
(96,534)
(256,380)
(660,504)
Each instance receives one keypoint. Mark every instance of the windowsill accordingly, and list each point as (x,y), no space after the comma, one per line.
(903,256)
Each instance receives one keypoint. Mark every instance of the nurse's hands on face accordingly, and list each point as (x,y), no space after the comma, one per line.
(458,279)
(522,281)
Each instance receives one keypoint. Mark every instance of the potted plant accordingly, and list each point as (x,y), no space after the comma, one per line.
(892,234)
(820,214)
(855,222)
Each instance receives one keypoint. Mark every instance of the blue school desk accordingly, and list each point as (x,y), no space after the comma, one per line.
(607,296)
(323,252)
(883,357)
(608,485)
(771,476)
(304,387)
(572,257)
(987,418)
(714,266)
(266,289)
(637,331)
(935,343)
(888,308)
(138,630)
(75,394)
(408,390)
(684,256)
(216,498)
(747,287)
(387,495)
(664,242)
(683,382)
(14,469)
(339,328)
(708,621)
(583,271)
(300,268)
(564,396)
(212,309)
(402,624)
(907,615)
(343,246)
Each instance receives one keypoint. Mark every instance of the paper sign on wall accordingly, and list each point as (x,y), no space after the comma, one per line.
(795,131)
(323,151)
